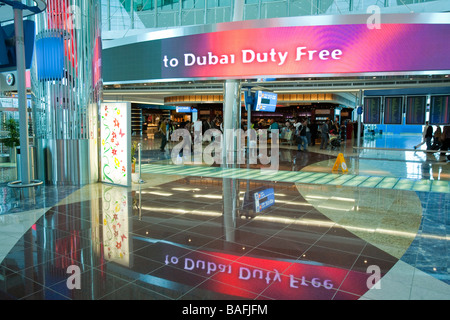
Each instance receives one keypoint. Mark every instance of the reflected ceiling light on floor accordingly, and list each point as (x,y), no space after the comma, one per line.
(337,208)
(317,197)
(207,213)
(343,199)
(294,203)
(186,189)
(157,193)
(182,211)
(169,210)
(208,196)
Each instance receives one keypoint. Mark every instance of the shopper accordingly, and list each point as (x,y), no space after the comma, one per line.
(445,138)
(302,137)
(324,135)
(163,130)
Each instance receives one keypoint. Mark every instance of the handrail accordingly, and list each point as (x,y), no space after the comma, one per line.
(18,184)
(398,149)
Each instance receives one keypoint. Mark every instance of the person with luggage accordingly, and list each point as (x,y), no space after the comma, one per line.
(427,136)
(437,139)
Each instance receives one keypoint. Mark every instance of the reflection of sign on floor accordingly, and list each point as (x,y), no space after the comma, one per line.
(256,201)
(264,199)
(340,163)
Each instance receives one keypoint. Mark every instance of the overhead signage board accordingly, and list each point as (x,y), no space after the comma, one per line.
(416,107)
(393,112)
(439,110)
(184,109)
(284,47)
(372,110)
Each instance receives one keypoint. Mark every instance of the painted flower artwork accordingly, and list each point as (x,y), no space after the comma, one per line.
(114,146)
(115,211)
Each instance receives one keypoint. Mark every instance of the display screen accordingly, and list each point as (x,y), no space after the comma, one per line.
(183,109)
(372,110)
(416,107)
(282,52)
(439,110)
(393,110)
(265,101)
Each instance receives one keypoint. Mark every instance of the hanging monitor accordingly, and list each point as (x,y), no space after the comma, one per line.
(416,107)
(372,108)
(439,110)
(393,110)
(265,101)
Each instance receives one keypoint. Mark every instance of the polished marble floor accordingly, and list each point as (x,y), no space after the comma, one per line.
(197,232)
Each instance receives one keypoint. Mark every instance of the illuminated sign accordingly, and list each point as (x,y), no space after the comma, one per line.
(285,48)
(115,148)
(184,109)
(416,107)
(372,110)
(439,110)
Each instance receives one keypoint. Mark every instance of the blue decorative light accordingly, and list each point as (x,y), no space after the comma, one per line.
(50,57)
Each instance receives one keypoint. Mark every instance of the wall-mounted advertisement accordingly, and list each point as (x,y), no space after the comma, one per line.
(115,145)
(439,110)
(279,48)
(393,110)
(416,108)
(372,110)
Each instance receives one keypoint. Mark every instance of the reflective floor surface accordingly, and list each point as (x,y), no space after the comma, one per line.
(207,233)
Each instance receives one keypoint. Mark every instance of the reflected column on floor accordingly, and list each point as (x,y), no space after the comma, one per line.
(230,186)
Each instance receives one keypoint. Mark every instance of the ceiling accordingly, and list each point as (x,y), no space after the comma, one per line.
(344,87)
(7,12)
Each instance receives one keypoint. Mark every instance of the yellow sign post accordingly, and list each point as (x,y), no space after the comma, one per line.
(340,163)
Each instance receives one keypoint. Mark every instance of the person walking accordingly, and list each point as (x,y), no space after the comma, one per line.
(426,136)
(324,135)
(163,130)
(303,136)
(437,137)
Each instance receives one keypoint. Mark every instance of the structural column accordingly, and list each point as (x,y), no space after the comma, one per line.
(66,83)
(22,98)
(231,121)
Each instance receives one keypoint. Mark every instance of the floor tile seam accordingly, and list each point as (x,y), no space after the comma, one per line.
(16,237)
(54,285)
(287,268)
(351,268)
(136,283)
(267,239)
(43,289)
(23,276)
(133,282)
